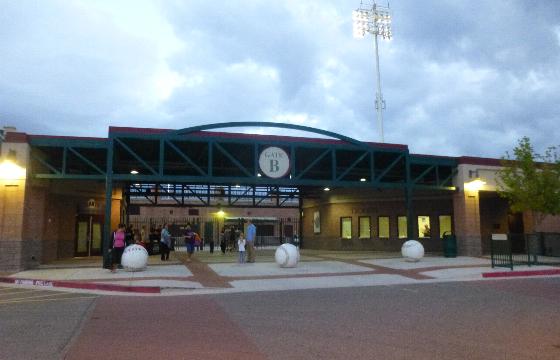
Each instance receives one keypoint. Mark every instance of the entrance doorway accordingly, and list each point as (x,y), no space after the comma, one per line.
(516,232)
(89,231)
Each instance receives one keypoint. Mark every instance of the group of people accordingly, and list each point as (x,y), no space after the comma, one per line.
(124,236)
(245,244)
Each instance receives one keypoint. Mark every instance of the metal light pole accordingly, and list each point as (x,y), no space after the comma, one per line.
(375,20)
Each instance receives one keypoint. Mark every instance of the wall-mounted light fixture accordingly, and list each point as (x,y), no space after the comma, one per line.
(9,169)
(475,185)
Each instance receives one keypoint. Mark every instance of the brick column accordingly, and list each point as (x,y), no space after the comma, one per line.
(466,209)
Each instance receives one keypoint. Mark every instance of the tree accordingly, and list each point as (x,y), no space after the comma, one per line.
(531,182)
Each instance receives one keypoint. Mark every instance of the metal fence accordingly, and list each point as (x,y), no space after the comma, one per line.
(270,231)
(508,250)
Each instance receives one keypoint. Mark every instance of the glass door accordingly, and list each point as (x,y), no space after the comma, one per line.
(89,230)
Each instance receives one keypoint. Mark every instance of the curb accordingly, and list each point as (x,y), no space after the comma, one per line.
(82,285)
(521,273)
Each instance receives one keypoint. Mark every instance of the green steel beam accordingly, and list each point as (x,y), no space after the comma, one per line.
(424,173)
(84,159)
(45,163)
(186,158)
(239,197)
(233,160)
(313,163)
(432,160)
(391,166)
(195,194)
(210,159)
(64,159)
(408,193)
(142,194)
(333,165)
(168,193)
(450,177)
(106,240)
(136,156)
(353,165)
(63,142)
(161,156)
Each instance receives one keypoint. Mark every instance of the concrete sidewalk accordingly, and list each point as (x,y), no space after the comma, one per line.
(220,273)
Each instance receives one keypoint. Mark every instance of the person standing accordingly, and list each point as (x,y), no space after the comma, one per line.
(222,239)
(165,242)
(250,241)
(241,247)
(211,244)
(119,243)
(189,241)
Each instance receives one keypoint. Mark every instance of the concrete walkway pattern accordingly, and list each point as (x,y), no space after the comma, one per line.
(218,273)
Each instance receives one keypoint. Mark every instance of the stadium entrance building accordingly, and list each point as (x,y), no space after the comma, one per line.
(62,196)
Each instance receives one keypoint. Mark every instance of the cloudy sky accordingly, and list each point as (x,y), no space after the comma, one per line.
(460,77)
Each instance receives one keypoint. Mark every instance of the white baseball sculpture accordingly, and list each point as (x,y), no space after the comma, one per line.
(134,258)
(287,256)
(412,250)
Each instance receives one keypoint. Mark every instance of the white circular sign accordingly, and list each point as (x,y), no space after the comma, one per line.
(274,162)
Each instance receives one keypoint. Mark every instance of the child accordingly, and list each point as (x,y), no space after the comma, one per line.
(241,246)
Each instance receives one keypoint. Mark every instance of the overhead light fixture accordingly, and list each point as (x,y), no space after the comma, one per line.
(134,172)
(259,175)
(237,186)
(327,189)
(363,179)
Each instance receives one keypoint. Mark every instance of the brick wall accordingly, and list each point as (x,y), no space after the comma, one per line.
(467,223)
(373,205)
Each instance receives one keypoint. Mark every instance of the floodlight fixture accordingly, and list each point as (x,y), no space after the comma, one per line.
(376,20)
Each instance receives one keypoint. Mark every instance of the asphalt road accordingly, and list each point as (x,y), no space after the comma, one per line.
(504,319)
(40,324)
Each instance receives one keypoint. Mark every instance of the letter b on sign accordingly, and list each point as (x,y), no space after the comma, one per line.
(274,162)
(274,168)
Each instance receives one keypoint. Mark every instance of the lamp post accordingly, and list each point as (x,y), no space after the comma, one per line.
(375,20)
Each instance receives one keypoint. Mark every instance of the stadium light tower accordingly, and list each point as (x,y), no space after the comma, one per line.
(376,20)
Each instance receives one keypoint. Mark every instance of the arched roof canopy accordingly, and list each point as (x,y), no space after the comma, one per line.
(239,124)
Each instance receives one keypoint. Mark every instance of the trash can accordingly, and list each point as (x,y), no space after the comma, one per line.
(449,245)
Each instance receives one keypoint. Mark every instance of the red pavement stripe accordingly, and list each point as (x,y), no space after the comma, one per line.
(82,285)
(521,273)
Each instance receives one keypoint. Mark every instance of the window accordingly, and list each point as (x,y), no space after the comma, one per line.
(346,227)
(365,227)
(424,227)
(403,227)
(444,225)
(383,226)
